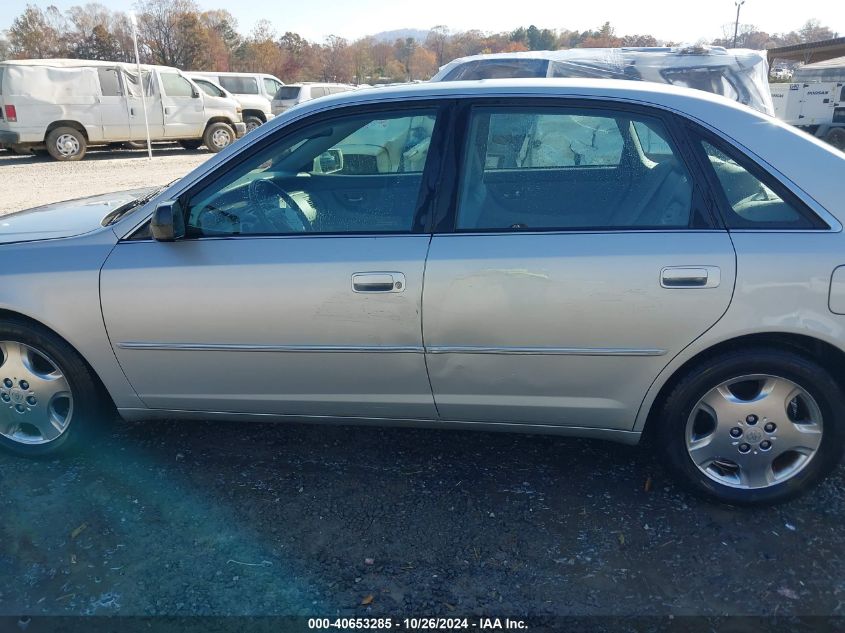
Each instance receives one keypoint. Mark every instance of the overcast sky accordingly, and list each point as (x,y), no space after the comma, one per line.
(665,19)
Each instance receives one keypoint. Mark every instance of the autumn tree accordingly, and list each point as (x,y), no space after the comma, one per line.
(172,33)
(38,34)
(337,59)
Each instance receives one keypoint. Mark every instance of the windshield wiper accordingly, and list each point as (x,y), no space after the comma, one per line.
(123,209)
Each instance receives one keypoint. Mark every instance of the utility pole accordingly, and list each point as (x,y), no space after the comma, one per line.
(738,4)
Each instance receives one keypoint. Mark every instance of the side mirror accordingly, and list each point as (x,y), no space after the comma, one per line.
(329,162)
(167,223)
(195,93)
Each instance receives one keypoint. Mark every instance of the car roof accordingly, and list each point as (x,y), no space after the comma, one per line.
(648,92)
(81,63)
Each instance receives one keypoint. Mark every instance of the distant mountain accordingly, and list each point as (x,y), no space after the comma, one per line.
(396,34)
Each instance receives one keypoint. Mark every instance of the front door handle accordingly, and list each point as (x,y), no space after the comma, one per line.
(690,277)
(378,282)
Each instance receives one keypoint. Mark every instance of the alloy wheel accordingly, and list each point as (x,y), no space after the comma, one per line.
(36,402)
(754,431)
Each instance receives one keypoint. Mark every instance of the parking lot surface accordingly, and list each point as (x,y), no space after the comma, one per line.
(232,518)
(35,180)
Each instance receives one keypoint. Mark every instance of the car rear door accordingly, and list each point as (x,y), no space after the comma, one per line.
(581,257)
(252,313)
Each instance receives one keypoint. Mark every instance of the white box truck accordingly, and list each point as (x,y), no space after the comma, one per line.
(64,106)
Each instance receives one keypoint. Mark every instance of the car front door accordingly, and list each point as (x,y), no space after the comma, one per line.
(182,104)
(298,287)
(580,261)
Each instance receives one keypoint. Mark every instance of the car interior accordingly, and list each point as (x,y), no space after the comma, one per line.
(356,175)
(552,169)
(567,171)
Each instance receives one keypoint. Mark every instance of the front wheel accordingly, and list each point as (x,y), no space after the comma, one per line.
(252,123)
(753,427)
(48,396)
(218,136)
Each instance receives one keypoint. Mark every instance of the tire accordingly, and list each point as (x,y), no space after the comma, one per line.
(836,137)
(252,123)
(218,136)
(191,144)
(28,402)
(66,144)
(744,470)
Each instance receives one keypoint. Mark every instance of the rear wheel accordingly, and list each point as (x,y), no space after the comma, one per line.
(836,137)
(66,144)
(48,395)
(191,144)
(218,136)
(756,426)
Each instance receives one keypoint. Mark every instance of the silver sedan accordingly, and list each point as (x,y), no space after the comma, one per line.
(581,257)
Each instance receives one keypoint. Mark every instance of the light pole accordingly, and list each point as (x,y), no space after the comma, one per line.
(738,4)
(134,22)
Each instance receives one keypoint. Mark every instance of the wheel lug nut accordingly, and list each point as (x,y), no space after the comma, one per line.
(31,401)
(736,432)
(24,385)
(8,383)
(5,397)
(751,419)
(770,427)
(20,408)
(744,448)
(765,445)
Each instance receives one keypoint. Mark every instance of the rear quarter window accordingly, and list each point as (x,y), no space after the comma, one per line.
(753,199)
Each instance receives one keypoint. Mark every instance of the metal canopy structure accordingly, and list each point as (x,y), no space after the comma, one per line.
(809,52)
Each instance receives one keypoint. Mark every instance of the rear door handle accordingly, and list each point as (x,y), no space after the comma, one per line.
(378,282)
(690,277)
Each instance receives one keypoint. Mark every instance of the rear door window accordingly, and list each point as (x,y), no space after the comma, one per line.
(565,168)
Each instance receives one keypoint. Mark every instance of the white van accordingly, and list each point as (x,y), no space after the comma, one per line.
(292,94)
(67,105)
(253,90)
(738,74)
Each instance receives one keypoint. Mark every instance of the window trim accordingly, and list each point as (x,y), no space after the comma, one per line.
(421,223)
(674,130)
(774,181)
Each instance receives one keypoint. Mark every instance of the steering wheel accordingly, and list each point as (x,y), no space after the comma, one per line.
(265,195)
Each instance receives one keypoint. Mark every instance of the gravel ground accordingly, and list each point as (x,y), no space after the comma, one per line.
(34,180)
(189,518)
